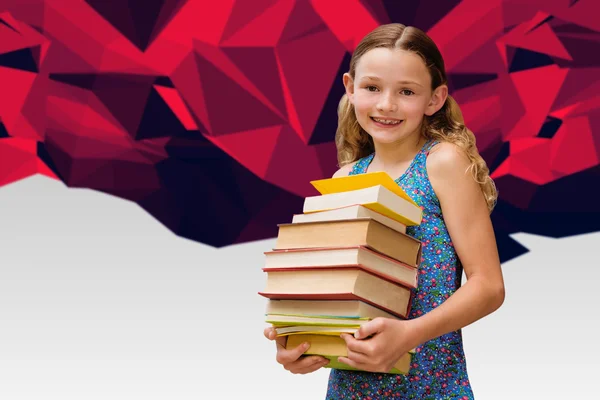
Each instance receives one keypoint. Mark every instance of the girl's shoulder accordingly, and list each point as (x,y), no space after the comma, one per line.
(449,169)
(446,157)
(345,170)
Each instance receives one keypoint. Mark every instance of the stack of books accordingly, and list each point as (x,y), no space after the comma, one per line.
(346,260)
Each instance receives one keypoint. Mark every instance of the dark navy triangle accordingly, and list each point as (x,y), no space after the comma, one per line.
(550,127)
(326,125)
(3,131)
(42,153)
(159,120)
(523,59)
(84,81)
(460,81)
(164,81)
(137,20)
(19,59)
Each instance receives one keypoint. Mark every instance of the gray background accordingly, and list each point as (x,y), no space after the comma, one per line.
(98,300)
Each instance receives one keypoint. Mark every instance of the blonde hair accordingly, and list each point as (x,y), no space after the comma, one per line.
(446,125)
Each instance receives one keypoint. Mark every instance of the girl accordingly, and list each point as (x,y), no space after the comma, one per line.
(396,116)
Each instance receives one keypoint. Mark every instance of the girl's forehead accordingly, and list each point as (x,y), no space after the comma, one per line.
(392,64)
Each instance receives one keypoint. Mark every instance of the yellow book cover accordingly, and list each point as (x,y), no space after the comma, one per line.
(332,347)
(315,329)
(360,181)
(287,320)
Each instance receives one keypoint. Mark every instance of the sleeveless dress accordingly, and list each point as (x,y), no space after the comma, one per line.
(439,368)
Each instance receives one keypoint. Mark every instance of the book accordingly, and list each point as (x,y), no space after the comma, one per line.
(339,257)
(377,198)
(360,181)
(330,309)
(349,212)
(332,347)
(315,329)
(298,320)
(339,284)
(356,232)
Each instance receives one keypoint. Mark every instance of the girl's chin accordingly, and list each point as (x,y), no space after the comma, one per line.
(385,137)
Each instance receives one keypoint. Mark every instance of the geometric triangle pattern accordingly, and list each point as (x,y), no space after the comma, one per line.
(214,116)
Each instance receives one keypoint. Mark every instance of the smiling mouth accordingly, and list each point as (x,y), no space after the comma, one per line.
(384,121)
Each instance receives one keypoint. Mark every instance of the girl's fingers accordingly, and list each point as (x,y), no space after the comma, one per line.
(292,359)
(356,345)
(307,364)
(311,369)
(349,362)
(288,356)
(359,358)
(270,333)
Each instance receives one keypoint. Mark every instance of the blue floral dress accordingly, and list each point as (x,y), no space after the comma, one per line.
(439,368)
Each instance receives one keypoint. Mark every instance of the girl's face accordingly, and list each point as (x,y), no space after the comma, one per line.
(391,93)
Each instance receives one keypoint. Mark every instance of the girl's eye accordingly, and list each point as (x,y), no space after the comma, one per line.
(371,88)
(407,92)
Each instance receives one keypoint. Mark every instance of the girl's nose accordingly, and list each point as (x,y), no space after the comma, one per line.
(386,104)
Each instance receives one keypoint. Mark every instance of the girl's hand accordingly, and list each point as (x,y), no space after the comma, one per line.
(390,341)
(293,359)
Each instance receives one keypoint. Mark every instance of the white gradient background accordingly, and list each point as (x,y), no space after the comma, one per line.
(98,300)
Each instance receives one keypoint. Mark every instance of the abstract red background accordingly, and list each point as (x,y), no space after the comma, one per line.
(214,116)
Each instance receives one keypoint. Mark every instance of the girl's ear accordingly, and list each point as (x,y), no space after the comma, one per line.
(349,85)
(438,98)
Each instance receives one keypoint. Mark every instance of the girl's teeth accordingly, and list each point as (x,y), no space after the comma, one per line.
(386,121)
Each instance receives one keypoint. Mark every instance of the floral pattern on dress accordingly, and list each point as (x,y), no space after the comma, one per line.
(438,368)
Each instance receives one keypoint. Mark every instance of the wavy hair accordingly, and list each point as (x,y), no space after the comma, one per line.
(446,125)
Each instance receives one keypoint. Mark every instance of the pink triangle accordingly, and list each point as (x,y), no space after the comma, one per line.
(349,26)
(12,40)
(541,39)
(122,55)
(530,172)
(533,163)
(17,172)
(187,80)
(64,59)
(565,111)
(19,146)
(521,144)
(293,165)
(43,169)
(16,86)
(293,119)
(302,21)
(219,60)
(176,104)
(24,129)
(17,159)
(486,59)
(264,30)
(44,47)
(458,44)
(298,61)
(573,147)
(480,113)
(242,14)
(580,108)
(502,51)
(253,149)
(537,90)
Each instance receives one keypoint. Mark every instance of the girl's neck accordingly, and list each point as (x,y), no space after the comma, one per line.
(388,156)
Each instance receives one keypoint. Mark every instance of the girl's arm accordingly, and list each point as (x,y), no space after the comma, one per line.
(468,221)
